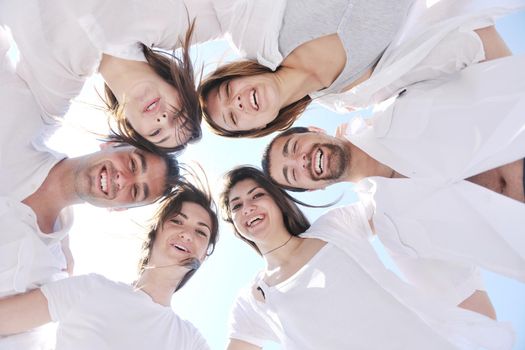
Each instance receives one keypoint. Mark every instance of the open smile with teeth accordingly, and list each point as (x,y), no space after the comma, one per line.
(180,247)
(104,181)
(253,100)
(152,106)
(318,162)
(254,221)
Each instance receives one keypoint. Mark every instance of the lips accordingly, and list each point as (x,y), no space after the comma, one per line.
(152,106)
(253,99)
(181,247)
(254,221)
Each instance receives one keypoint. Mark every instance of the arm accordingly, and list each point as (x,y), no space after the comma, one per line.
(493,43)
(479,302)
(236,344)
(22,312)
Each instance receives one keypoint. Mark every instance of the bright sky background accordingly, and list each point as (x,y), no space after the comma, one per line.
(109,243)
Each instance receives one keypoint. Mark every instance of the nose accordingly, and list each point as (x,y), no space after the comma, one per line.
(237,103)
(122,179)
(164,119)
(186,236)
(248,208)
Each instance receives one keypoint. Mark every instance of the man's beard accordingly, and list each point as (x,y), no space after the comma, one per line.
(338,162)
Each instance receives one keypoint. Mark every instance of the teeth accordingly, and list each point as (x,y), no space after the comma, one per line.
(254,219)
(253,100)
(319,162)
(104,182)
(152,106)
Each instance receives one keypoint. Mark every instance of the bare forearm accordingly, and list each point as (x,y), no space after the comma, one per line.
(21,312)
(493,43)
(479,302)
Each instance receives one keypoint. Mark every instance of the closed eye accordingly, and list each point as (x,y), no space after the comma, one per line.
(134,192)
(202,233)
(232,117)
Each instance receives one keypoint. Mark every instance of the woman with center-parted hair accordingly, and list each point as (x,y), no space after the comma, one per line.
(96,313)
(324,287)
(349,54)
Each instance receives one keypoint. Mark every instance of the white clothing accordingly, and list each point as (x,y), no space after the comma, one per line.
(435,41)
(438,134)
(96,313)
(345,298)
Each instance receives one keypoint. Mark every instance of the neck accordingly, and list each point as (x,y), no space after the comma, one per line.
(278,252)
(160,283)
(294,84)
(119,74)
(362,165)
(56,192)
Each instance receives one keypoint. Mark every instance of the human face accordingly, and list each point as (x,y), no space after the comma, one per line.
(119,177)
(309,160)
(183,236)
(153,109)
(244,103)
(254,212)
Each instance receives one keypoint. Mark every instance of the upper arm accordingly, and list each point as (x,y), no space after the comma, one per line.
(493,43)
(22,312)
(236,344)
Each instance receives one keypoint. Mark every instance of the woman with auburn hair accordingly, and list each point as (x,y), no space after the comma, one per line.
(324,287)
(151,93)
(347,54)
(96,313)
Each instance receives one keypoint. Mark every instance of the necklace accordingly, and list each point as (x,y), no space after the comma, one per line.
(282,245)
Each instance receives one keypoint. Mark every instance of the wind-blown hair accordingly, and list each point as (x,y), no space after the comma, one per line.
(171,206)
(294,219)
(287,115)
(177,70)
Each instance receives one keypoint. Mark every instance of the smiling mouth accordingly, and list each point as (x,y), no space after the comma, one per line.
(180,247)
(103,177)
(318,162)
(253,100)
(152,106)
(254,221)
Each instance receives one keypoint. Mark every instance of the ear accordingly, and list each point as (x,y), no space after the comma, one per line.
(316,129)
(116,209)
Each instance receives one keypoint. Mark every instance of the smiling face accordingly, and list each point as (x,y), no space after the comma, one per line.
(153,108)
(309,160)
(183,236)
(244,103)
(120,177)
(254,212)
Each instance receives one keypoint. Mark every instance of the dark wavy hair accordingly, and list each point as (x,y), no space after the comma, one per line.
(176,70)
(294,219)
(171,206)
(287,115)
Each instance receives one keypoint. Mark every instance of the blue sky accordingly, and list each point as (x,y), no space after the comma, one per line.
(110,244)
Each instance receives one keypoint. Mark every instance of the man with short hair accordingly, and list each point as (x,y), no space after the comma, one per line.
(444,164)
(38,187)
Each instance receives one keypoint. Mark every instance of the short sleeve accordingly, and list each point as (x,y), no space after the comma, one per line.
(247,324)
(63,295)
(342,224)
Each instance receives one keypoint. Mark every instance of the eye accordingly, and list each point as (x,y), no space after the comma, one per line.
(134,191)
(258,195)
(176,221)
(233,119)
(228,89)
(235,207)
(132,165)
(155,133)
(202,233)
(294,149)
(293,175)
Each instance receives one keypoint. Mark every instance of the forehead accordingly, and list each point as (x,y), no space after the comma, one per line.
(196,212)
(242,188)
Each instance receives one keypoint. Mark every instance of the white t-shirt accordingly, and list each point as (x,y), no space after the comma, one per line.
(96,313)
(342,300)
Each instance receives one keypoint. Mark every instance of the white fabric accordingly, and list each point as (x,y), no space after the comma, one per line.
(345,298)
(435,41)
(96,313)
(438,135)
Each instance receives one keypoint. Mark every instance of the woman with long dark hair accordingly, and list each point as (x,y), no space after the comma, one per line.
(96,313)
(324,287)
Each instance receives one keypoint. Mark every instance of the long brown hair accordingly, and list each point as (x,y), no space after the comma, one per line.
(170,207)
(177,70)
(284,119)
(294,219)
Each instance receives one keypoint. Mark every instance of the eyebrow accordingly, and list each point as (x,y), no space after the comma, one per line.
(249,192)
(200,223)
